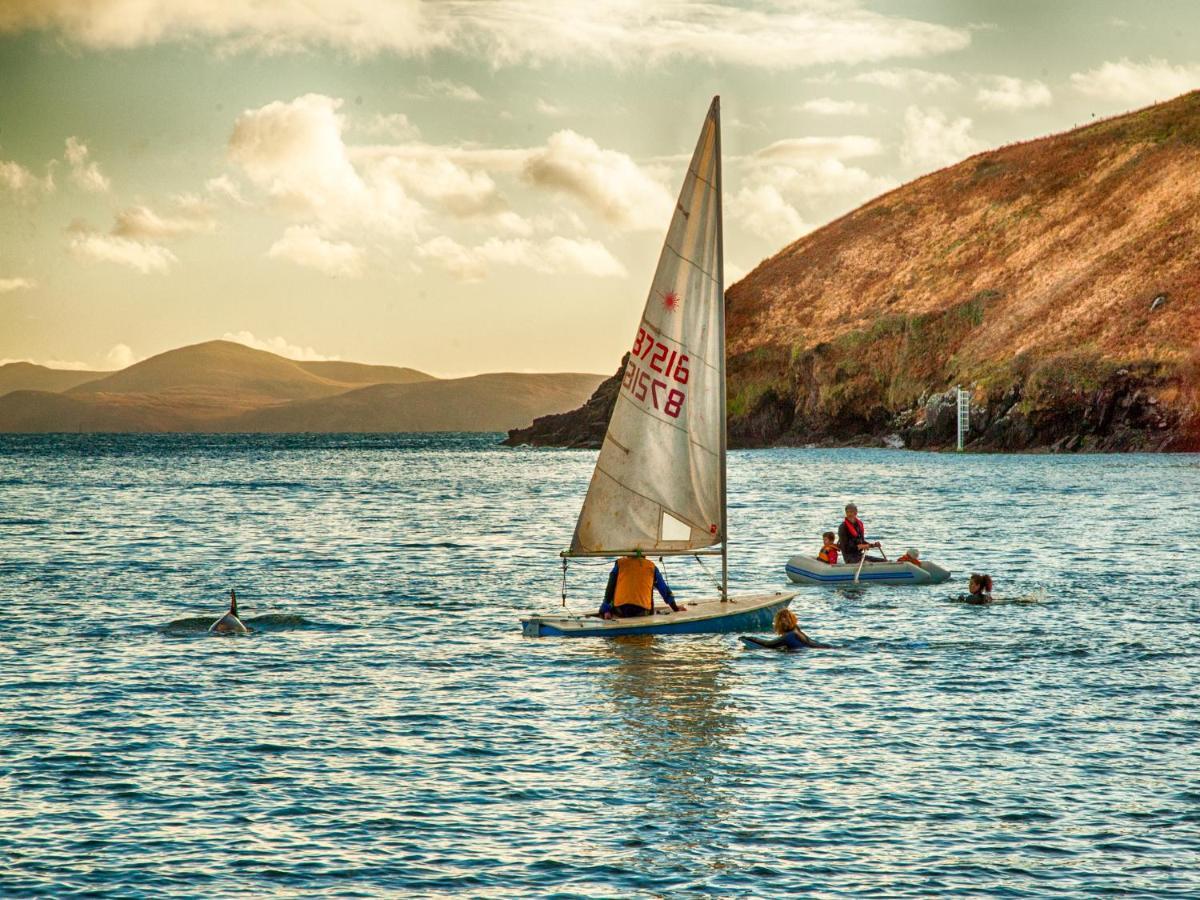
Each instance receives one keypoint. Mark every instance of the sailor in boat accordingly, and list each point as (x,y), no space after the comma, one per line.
(790,637)
(852,537)
(631,586)
(230,623)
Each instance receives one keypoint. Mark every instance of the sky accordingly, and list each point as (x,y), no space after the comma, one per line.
(468,186)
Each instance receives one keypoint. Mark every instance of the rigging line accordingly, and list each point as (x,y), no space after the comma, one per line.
(691,262)
(564,583)
(714,578)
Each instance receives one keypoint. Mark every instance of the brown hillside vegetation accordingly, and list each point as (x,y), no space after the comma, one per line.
(362,374)
(1059,279)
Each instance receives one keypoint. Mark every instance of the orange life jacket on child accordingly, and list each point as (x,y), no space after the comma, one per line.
(910,559)
(828,555)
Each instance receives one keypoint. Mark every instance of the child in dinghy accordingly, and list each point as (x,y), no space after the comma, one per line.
(829,551)
(790,636)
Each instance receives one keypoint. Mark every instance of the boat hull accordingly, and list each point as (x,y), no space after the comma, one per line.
(807,570)
(710,616)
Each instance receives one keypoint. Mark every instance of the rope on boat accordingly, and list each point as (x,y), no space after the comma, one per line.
(564,584)
(708,573)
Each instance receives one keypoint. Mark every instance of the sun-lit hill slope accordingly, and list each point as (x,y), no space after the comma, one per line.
(23,376)
(217,371)
(494,402)
(1059,279)
(361,373)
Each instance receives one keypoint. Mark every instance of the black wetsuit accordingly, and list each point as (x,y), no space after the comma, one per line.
(793,640)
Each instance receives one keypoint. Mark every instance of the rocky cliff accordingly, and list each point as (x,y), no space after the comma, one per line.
(1057,280)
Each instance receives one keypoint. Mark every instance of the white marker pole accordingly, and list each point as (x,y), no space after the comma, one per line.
(964,415)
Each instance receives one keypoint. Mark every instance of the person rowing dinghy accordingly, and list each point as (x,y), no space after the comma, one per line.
(852,537)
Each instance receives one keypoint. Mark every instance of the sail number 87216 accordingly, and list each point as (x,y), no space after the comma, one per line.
(649,356)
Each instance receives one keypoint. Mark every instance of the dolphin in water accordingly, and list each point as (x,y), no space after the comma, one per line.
(230,623)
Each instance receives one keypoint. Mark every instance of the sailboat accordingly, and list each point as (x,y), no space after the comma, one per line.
(659,483)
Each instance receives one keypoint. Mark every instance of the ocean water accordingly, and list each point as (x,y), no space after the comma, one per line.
(388,731)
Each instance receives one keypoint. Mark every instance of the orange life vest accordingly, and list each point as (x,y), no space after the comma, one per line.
(635,582)
(909,559)
(828,555)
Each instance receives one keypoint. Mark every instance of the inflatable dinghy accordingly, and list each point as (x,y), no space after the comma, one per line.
(810,570)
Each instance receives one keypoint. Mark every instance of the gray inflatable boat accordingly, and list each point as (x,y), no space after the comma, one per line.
(810,570)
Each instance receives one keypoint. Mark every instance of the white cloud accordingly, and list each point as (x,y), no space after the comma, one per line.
(932,140)
(764,211)
(918,80)
(608,182)
(1010,94)
(225,188)
(143,223)
(121,356)
(93,246)
(277,345)
(827,106)
(304,245)
(8,285)
(849,146)
(548,109)
(22,183)
(759,34)
(444,88)
(70,364)
(396,126)
(84,173)
(556,255)
(1135,83)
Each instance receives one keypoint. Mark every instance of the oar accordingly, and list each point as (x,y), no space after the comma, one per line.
(863,559)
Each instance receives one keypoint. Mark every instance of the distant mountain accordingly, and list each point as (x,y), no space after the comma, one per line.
(23,376)
(221,386)
(482,403)
(360,373)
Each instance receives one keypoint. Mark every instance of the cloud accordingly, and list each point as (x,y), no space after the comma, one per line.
(909,80)
(304,245)
(392,125)
(764,211)
(608,182)
(827,106)
(1136,83)
(225,188)
(1010,94)
(557,255)
(548,109)
(276,345)
(85,173)
(8,285)
(144,224)
(94,246)
(759,34)
(121,356)
(932,140)
(444,88)
(849,146)
(22,183)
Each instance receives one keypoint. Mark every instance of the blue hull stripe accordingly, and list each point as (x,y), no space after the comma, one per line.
(865,576)
(755,620)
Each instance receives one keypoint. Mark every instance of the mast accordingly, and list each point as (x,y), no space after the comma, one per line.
(721,332)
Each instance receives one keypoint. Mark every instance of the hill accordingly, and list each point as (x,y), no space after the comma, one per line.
(23,376)
(1058,280)
(220,386)
(483,403)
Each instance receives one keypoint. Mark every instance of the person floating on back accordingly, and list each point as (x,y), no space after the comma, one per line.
(911,556)
(630,591)
(790,637)
(829,552)
(230,623)
(852,537)
(980,587)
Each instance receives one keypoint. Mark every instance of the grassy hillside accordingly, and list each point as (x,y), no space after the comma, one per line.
(23,376)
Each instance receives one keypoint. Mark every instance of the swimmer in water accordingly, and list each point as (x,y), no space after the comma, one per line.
(790,635)
(230,623)
(980,587)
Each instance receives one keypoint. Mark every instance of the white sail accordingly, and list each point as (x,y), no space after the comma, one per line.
(659,483)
